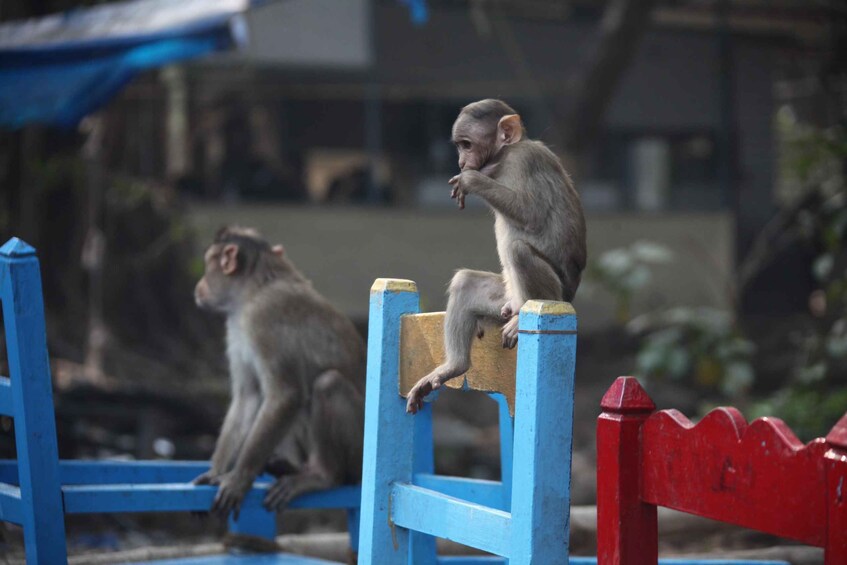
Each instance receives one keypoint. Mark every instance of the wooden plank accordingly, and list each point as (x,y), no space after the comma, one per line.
(6,405)
(389,451)
(447,517)
(10,504)
(543,433)
(484,493)
(422,347)
(32,398)
(723,469)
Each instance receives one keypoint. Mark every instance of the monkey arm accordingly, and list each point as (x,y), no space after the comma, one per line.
(227,444)
(272,422)
(510,202)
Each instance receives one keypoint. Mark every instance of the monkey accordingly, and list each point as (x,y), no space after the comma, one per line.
(539,229)
(297,368)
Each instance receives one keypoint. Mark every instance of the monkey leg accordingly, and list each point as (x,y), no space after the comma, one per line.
(336,425)
(533,278)
(474,297)
(237,423)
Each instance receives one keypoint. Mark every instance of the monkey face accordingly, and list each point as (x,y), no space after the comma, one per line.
(482,130)
(474,141)
(215,290)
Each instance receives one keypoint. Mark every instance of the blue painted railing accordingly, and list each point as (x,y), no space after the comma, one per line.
(524,517)
(37,490)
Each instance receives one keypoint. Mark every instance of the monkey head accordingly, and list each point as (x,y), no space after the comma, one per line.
(237,260)
(482,129)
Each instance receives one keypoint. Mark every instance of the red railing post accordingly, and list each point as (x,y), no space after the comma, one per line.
(626,527)
(835,463)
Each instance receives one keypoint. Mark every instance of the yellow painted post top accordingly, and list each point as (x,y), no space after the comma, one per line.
(393,285)
(549,307)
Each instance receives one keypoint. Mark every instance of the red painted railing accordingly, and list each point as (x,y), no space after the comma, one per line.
(758,476)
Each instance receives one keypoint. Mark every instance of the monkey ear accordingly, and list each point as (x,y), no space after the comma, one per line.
(229,258)
(509,129)
(278,250)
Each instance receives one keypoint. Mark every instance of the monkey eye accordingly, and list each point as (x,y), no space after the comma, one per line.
(463,144)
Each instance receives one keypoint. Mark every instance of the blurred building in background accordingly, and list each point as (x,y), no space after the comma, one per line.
(339,103)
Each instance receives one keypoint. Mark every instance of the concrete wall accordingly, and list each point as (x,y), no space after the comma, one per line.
(344,249)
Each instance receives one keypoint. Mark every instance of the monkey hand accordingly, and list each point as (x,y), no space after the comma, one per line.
(233,488)
(506,312)
(415,399)
(462,186)
(457,193)
(210,477)
(510,333)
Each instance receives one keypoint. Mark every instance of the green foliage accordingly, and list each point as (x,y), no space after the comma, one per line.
(624,271)
(700,344)
(814,164)
(809,411)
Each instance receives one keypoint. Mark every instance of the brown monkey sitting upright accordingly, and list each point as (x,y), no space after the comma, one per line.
(297,367)
(538,224)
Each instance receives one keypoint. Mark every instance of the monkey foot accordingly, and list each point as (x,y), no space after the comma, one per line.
(431,382)
(510,333)
(233,488)
(288,487)
(415,399)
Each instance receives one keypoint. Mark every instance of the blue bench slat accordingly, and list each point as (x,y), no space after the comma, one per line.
(341,497)
(482,492)
(439,515)
(470,560)
(10,503)
(72,472)
(6,406)
(128,473)
(83,499)
(175,497)
(264,559)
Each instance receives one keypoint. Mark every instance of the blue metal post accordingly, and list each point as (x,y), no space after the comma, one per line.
(32,397)
(543,434)
(353,518)
(506,441)
(422,546)
(388,451)
(254,521)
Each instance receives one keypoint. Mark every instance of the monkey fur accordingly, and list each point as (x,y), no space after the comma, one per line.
(297,367)
(539,228)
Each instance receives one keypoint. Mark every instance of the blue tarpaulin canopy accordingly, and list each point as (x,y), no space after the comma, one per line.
(57,69)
